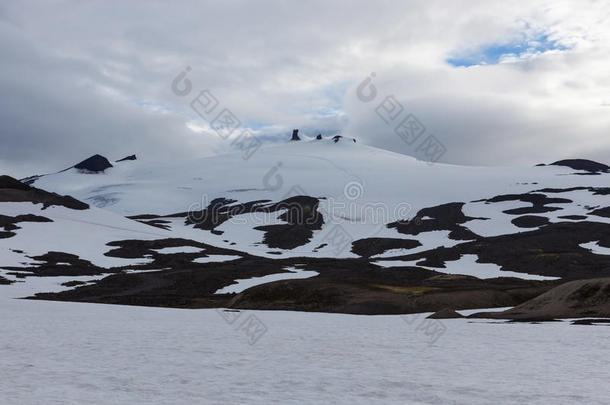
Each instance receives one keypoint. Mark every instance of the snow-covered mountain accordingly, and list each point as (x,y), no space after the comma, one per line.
(304,202)
(360,188)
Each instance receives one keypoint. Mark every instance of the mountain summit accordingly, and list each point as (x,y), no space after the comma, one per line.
(94,164)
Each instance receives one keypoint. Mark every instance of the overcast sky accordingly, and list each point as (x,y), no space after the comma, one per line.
(496,82)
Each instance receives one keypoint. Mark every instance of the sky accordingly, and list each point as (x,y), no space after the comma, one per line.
(493,82)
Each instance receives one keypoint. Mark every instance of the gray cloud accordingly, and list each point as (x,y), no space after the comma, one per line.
(81,78)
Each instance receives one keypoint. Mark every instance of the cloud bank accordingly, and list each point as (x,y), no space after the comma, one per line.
(497,82)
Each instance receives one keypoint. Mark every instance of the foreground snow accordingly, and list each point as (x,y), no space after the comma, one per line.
(70,353)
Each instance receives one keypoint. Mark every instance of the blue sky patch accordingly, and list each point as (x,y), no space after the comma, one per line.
(493,53)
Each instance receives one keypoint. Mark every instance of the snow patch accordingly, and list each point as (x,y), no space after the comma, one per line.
(243,284)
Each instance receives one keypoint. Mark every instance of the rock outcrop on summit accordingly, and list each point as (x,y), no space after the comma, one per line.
(94,164)
(130,157)
(583,164)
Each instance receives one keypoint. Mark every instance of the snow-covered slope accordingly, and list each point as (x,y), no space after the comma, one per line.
(80,232)
(361,190)
(318,168)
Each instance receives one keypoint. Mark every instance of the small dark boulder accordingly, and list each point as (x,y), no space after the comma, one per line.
(337,138)
(130,157)
(319,137)
(583,164)
(94,164)
(446,313)
(295,135)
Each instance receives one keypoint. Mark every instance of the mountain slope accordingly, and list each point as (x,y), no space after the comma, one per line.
(360,189)
(355,217)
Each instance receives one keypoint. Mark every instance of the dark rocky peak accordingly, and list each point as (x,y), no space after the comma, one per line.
(94,164)
(130,157)
(319,137)
(9,182)
(295,135)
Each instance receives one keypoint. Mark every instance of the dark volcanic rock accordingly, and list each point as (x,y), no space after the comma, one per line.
(538,201)
(74,266)
(9,223)
(439,218)
(573,217)
(319,137)
(285,236)
(576,299)
(130,157)
(12,190)
(552,250)
(295,135)
(343,285)
(4,281)
(301,214)
(593,321)
(373,246)
(583,164)
(73,283)
(303,218)
(593,190)
(218,211)
(446,313)
(8,182)
(601,212)
(530,221)
(152,220)
(94,164)
(383,291)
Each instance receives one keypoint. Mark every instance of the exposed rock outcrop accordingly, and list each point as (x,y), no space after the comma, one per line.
(576,299)
(94,164)
(446,313)
(12,190)
(583,164)
(130,157)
